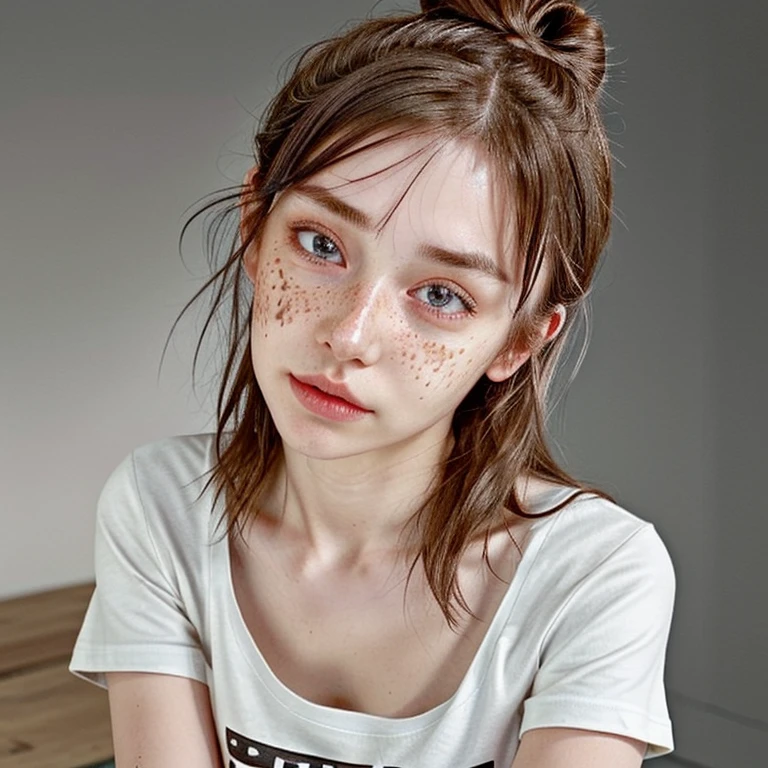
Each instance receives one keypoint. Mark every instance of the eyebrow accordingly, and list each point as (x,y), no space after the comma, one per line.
(476,262)
(330,202)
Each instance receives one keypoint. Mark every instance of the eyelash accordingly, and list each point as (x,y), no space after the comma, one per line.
(301,226)
(463,296)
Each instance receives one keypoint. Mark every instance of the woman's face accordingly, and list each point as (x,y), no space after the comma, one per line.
(382,294)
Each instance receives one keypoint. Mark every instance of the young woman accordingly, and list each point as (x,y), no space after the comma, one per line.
(376,561)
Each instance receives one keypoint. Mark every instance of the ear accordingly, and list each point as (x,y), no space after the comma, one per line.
(250,182)
(511,358)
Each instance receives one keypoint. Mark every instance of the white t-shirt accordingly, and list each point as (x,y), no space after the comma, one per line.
(578,640)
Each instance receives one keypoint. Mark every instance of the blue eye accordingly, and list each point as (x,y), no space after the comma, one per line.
(443,300)
(319,245)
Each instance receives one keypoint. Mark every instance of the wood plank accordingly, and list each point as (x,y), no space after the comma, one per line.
(51,719)
(39,628)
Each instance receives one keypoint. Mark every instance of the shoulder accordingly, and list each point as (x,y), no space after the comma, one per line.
(174,460)
(173,465)
(601,599)
(591,530)
(156,493)
(592,553)
(154,527)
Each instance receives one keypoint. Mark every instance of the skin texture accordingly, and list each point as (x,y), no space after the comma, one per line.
(576,748)
(362,305)
(362,316)
(161,721)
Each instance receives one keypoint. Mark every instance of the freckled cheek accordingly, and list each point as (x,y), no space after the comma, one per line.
(432,364)
(261,301)
(279,299)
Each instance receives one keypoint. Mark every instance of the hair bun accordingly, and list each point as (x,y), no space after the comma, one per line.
(559,30)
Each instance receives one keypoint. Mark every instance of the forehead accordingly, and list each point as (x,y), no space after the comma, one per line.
(444,192)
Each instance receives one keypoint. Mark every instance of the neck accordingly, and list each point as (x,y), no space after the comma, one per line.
(346,511)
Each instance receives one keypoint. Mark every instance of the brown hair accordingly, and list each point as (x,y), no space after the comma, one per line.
(519,78)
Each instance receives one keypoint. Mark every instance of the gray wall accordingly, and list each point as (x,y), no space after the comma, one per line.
(669,408)
(115,117)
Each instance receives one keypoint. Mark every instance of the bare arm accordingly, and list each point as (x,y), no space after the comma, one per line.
(161,721)
(577,748)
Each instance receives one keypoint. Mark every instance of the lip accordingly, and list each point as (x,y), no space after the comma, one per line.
(326,397)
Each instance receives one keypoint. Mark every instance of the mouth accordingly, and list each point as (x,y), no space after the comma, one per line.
(327,398)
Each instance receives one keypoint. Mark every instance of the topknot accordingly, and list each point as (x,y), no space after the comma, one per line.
(558,30)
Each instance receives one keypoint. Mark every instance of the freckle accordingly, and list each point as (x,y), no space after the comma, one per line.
(280,272)
(418,377)
(280,301)
(461,351)
(450,357)
(413,356)
(427,384)
(273,287)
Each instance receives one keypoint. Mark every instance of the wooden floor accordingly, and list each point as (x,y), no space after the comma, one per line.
(48,717)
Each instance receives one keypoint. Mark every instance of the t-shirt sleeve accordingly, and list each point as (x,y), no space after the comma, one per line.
(602,659)
(136,620)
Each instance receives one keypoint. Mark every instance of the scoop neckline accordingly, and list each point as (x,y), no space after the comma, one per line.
(362,722)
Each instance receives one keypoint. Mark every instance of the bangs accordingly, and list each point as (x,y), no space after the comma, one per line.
(411,93)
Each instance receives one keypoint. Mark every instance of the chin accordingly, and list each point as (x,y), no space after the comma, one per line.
(317,440)
(325,449)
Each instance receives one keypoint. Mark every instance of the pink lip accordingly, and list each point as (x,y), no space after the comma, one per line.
(327,398)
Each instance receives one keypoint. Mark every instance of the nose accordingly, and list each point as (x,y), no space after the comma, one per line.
(355,326)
